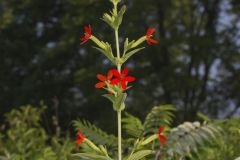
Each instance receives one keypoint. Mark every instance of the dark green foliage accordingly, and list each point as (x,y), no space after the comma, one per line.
(185,140)
(95,134)
(195,65)
(132,125)
(23,138)
(188,137)
(227,146)
(159,116)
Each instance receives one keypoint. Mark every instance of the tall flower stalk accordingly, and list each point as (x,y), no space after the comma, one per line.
(119,116)
(119,112)
(116,82)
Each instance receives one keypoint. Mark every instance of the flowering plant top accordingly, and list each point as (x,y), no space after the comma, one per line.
(116,83)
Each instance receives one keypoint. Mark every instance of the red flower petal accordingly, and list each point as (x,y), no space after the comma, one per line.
(162,139)
(100,85)
(160,130)
(84,40)
(116,73)
(123,84)
(129,79)
(87,35)
(88,29)
(150,31)
(101,77)
(110,75)
(150,40)
(80,138)
(125,71)
(78,141)
(115,81)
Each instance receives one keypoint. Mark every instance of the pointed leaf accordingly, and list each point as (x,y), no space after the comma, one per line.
(129,54)
(110,97)
(107,53)
(119,101)
(119,17)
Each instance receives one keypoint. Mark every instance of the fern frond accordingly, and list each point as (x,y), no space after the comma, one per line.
(132,125)
(188,137)
(96,135)
(159,116)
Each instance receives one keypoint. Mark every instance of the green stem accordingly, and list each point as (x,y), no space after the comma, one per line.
(119,118)
(118,50)
(117,43)
(119,135)
(119,68)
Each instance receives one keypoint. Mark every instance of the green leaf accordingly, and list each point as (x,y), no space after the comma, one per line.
(107,53)
(91,156)
(132,125)
(48,154)
(140,154)
(127,46)
(95,134)
(149,139)
(188,137)
(115,19)
(158,116)
(118,102)
(110,97)
(129,54)
(119,17)
(203,117)
(108,19)
(103,150)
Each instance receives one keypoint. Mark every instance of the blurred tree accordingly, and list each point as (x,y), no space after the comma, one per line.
(195,66)
(189,66)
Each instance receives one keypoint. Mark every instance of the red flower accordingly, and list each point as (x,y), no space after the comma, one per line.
(103,79)
(87,35)
(161,137)
(122,78)
(80,138)
(149,33)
